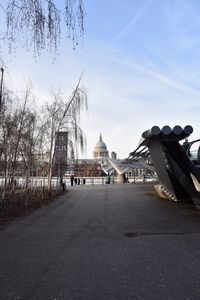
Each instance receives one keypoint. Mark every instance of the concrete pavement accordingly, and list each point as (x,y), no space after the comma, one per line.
(103,242)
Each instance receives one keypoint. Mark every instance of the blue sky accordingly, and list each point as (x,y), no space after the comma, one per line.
(142,68)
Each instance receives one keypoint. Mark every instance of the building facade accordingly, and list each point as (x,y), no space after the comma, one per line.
(113,155)
(84,168)
(60,153)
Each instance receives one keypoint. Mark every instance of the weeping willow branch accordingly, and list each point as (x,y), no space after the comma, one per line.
(37,24)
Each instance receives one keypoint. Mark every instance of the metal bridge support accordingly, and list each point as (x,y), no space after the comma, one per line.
(173,166)
(121,178)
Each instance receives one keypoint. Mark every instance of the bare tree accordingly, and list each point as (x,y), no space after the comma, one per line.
(65,116)
(28,144)
(37,24)
(25,138)
(17,127)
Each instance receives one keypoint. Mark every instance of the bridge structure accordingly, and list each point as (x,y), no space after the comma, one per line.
(123,166)
(176,165)
(177,168)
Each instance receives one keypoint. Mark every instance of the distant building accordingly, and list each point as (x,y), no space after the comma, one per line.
(100,150)
(90,167)
(113,155)
(84,168)
(100,153)
(60,153)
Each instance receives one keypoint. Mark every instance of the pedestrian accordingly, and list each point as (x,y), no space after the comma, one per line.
(124,178)
(108,179)
(75,180)
(144,178)
(72,180)
(79,181)
(84,181)
(61,182)
(186,147)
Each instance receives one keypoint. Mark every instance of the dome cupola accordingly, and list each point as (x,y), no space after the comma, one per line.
(100,150)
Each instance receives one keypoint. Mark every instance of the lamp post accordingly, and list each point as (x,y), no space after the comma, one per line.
(1,139)
(1,88)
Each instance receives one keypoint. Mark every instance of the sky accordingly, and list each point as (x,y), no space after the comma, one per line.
(141,63)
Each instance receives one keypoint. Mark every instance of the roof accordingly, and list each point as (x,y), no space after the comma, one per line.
(100,145)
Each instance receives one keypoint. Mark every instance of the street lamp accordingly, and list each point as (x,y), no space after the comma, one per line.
(1,88)
(1,140)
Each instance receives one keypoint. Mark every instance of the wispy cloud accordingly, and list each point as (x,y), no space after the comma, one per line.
(136,18)
(149,69)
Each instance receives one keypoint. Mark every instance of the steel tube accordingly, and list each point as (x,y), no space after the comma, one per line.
(166,130)
(188,129)
(154,131)
(177,130)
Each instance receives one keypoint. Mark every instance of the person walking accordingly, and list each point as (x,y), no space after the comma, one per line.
(186,147)
(72,180)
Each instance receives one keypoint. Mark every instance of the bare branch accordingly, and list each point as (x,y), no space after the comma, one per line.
(37,24)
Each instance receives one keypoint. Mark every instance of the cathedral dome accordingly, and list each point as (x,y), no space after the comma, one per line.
(100,146)
(100,150)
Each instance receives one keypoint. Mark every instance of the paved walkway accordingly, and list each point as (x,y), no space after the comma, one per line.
(103,242)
